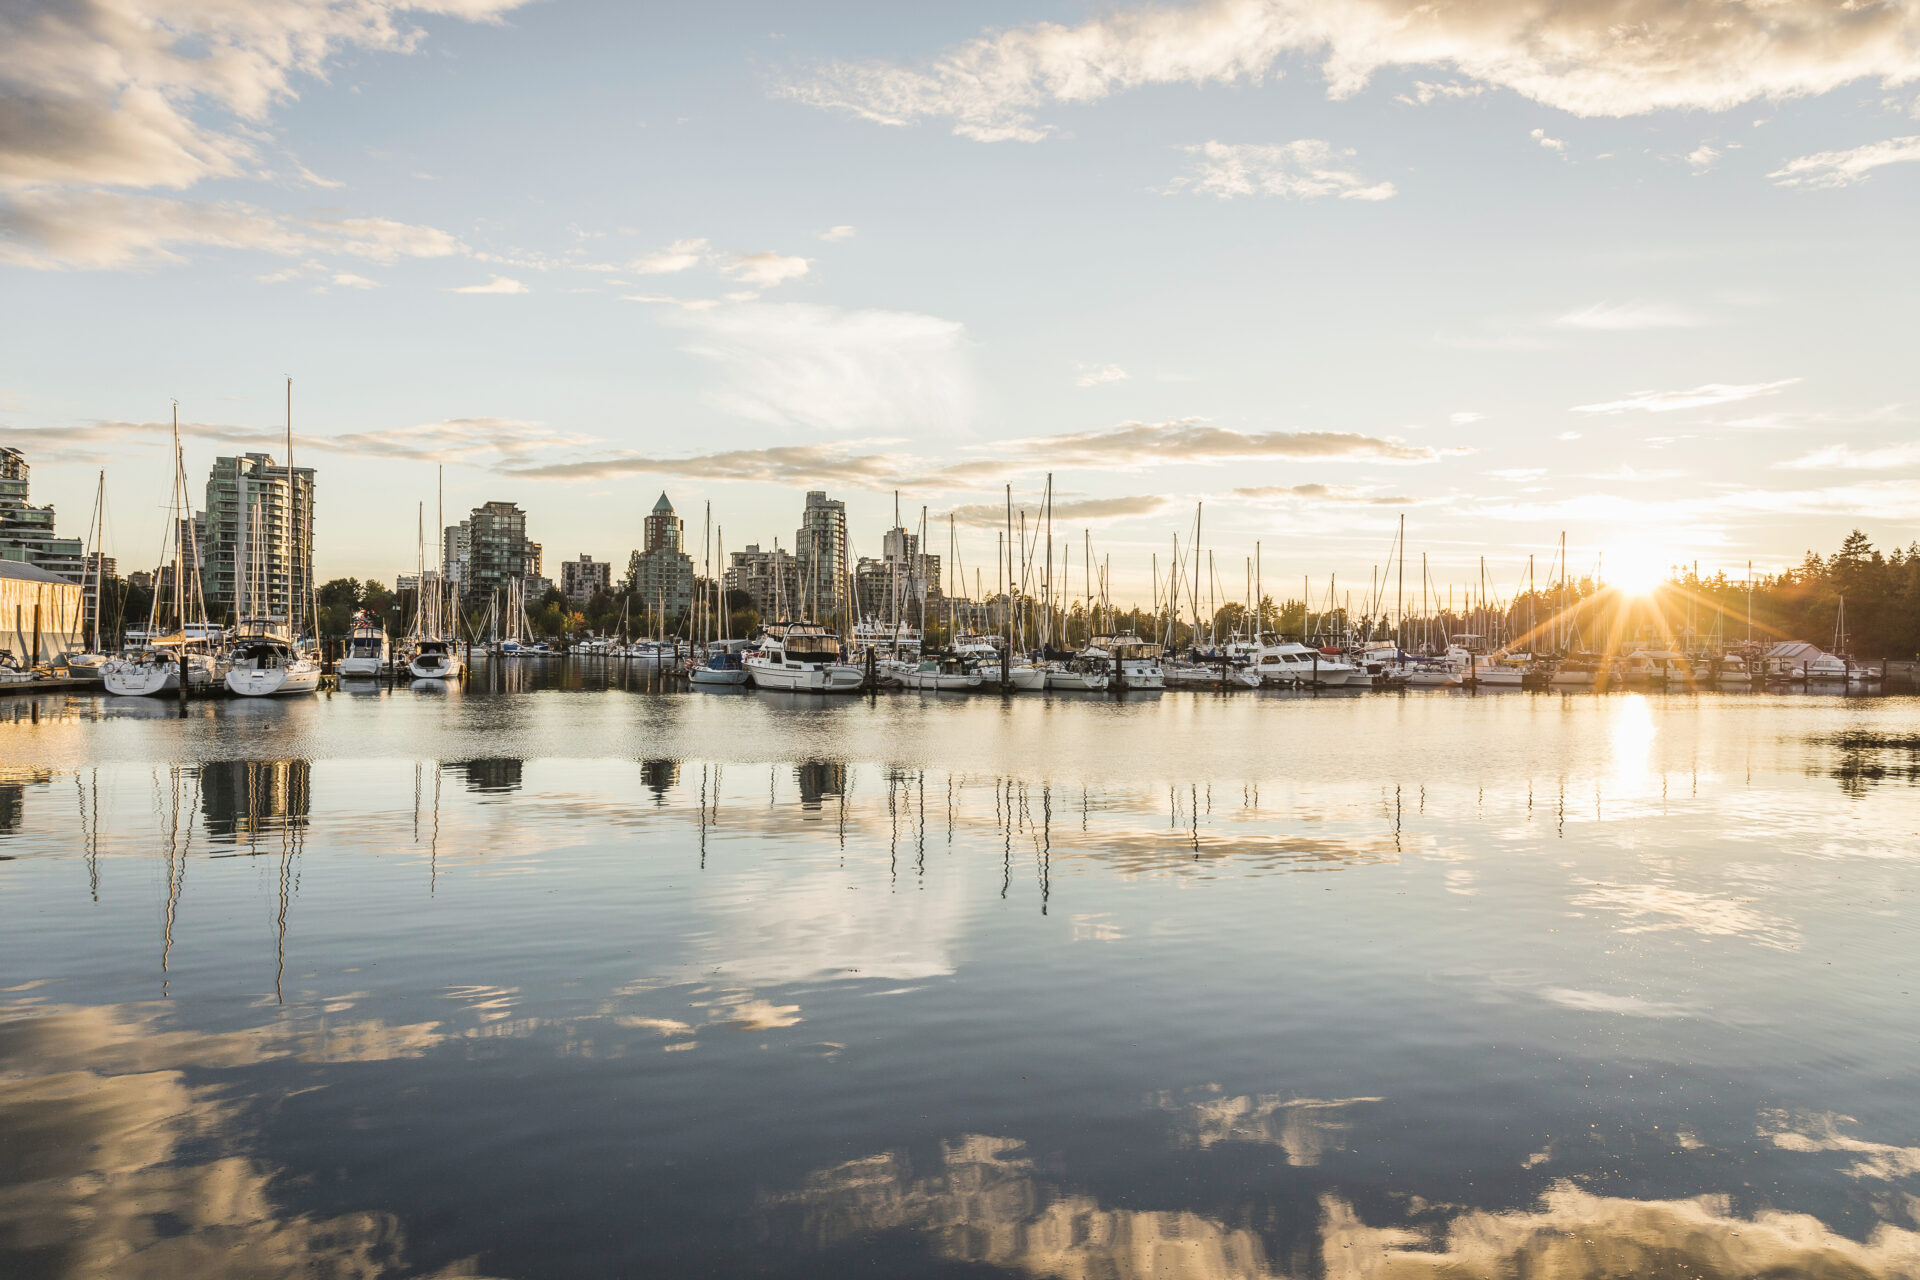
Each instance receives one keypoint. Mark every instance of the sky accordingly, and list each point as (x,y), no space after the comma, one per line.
(1638,271)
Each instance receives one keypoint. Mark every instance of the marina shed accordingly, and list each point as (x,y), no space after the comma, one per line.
(39,612)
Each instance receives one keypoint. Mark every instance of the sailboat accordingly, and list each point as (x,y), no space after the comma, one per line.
(155,667)
(435,657)
(723,665)
(262,661)
(86,666)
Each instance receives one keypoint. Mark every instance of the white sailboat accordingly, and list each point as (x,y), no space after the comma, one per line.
(263,662)
(723,665)
(435,656)
(154,667)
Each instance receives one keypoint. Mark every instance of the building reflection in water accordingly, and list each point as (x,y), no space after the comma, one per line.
(14,782)
(659,777)
(818,779)
(983,1201)
(245,799)
(490,776)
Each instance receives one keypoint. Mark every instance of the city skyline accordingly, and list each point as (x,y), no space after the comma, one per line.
(1316,266)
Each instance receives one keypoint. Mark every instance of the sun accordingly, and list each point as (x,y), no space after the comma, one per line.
(1635,570)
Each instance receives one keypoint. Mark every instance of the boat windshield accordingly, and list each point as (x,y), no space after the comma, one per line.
(813,648)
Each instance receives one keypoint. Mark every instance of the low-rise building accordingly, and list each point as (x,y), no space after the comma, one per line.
(582,579)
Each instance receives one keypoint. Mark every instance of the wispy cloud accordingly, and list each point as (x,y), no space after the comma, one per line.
(836,234)
(477,441)
(1551,144)
(1703,157)
(53,229)
(498,284)
(1092,375)
(1466,417)
(988,515)
(1302,170)
(1700,397)
(681,255)
(1621,317)
(835,463)
(765,270)
(1844,168)
(833,369)
(1574,58)
(1318,493)
(1844,457)
(1134,445)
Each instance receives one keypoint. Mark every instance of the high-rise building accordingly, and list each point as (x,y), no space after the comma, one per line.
(454,547)
(661,575)
(99,569)
(820,546)
(26,531)
(256,539)
(771,579)
(192,533)
(582,579)
(893,588)
(498,552)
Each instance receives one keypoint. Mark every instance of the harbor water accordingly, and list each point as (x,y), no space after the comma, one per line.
(559,980)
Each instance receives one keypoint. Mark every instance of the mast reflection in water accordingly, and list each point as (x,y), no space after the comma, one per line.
(540,984)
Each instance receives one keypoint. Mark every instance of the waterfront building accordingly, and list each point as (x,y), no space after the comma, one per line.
(498,553)
(26,531)
(39,612)
(236,548)
(405,582)
(771,579)
(582,579)
(140,580)
(660,576)
(820,546)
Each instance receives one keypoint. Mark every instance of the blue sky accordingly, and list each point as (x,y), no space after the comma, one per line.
(1642,272)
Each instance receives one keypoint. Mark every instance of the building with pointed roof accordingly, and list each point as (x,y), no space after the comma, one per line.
(661,574)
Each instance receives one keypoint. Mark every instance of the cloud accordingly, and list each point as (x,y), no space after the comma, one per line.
(1465,418)
(1820,1131)
(142,94)
(1844,457)
(347,280)
(1323,493)
(1092,375)
(1302,170)
(837,234)
(1623,317)
(989,515)
(765,269)
(50,230)
(498,284)
(1135,445)
(1844,168)
(1605,58)
(1551,144)
(1425,92)
(678,256)
(479,441)
(786,464)
(833,369)
(1702,157)
(689,304)
(1700,397)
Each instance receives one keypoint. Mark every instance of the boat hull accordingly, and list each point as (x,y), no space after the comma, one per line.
(362,666)
(941,681)
(1076,681)
(823,677)
(708,675)
(433,667)
(268,682)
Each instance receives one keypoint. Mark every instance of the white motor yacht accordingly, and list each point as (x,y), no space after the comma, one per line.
(805,657)
(1079,675)
(366,653)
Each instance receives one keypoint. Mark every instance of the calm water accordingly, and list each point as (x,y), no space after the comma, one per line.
(563,982)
